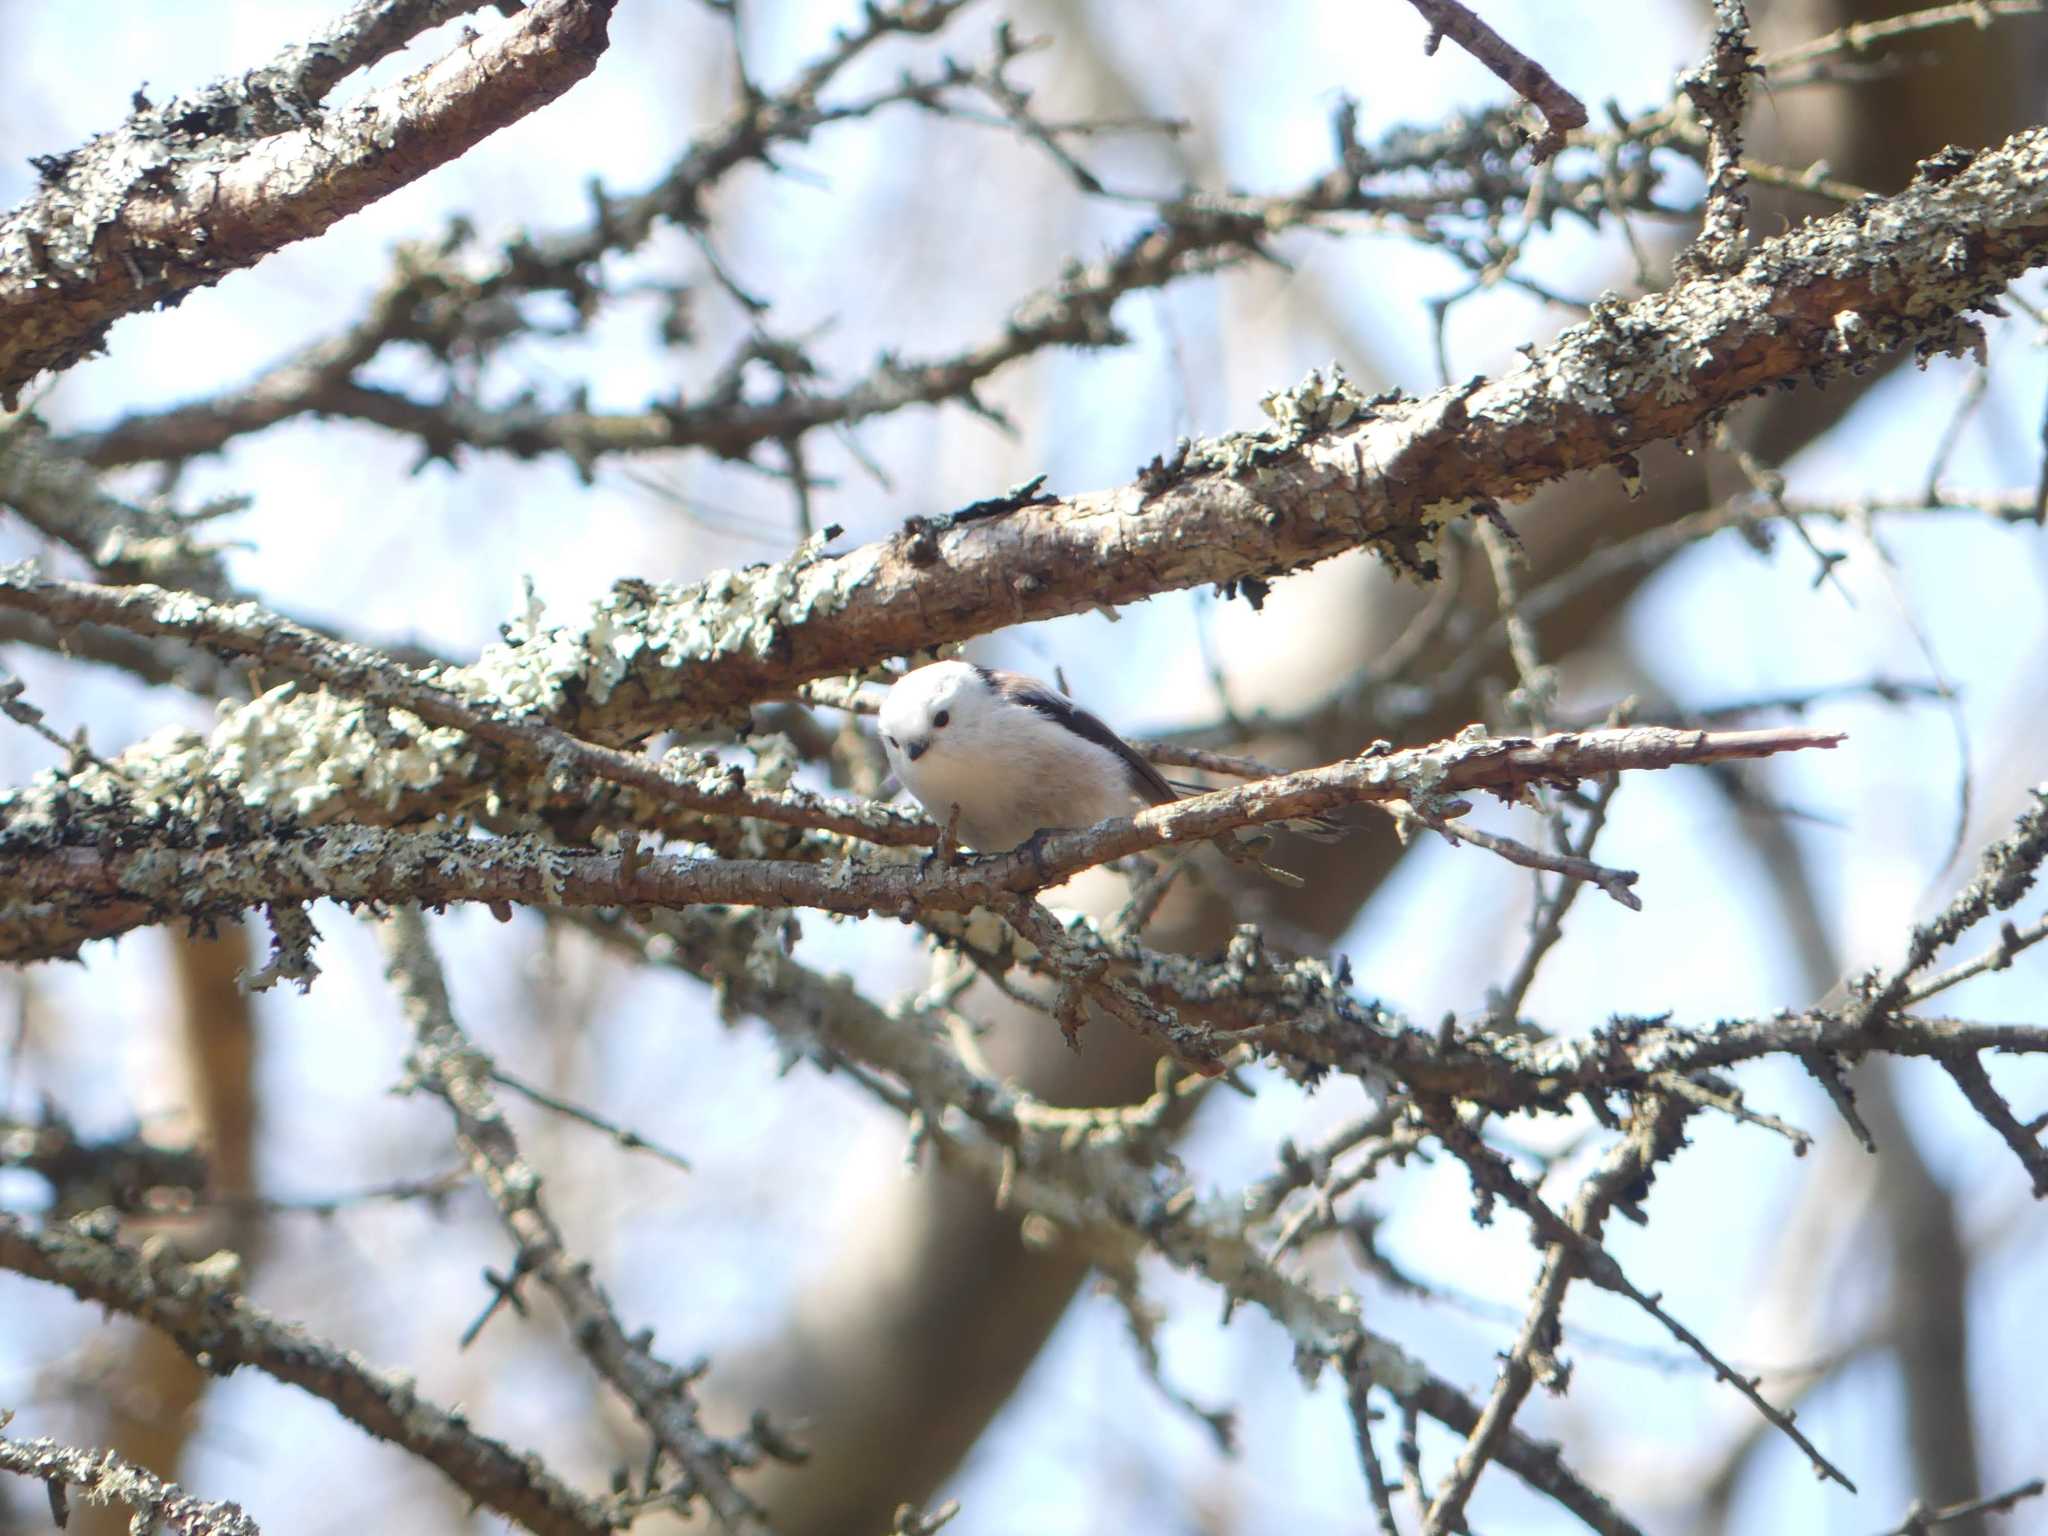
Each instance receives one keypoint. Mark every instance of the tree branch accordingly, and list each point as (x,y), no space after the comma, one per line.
(69,878)
(197,1305)
(106,1478)
(1562,111)
(1334,472)
(181,195)
(445,1062)
(1088,1172)
(363,673)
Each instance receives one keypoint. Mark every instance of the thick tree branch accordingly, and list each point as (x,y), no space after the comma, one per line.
(524,763)
(181,195)
(1192,235)
(1334,472)
(695,784)
(67,878)
(368,31)
(437,299)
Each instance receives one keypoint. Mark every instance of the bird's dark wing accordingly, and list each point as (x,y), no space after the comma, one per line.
(1146,781)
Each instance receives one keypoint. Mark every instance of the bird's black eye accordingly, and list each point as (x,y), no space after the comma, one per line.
(942,717)
(888,738)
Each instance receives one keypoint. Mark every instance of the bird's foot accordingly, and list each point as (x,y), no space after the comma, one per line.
(946,854)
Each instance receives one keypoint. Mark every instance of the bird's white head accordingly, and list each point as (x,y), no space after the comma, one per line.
(935,718)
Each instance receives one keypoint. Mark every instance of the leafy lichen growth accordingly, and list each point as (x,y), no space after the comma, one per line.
(1325,401)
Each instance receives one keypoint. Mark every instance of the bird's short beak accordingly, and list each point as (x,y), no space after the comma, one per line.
(917,749)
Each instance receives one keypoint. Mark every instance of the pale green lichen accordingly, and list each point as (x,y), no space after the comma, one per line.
(1437,513)
(312,753)
(1324,401)
(320,756)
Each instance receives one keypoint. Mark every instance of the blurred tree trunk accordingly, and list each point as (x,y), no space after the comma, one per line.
(154,1396)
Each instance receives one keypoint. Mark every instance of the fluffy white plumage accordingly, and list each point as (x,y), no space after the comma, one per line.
(1012,754)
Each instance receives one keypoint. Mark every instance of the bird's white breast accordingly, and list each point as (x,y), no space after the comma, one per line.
(1019,773)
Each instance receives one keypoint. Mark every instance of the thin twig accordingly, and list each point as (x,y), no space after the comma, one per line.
(1860,36)
(1920,1520)
(445,1061)
(1967,1068)
(2011,940)
(1615,882)
(2005,871)
(629,1139)
(1358,1390)
(1574,1250)
(1546,923)
(1562,111)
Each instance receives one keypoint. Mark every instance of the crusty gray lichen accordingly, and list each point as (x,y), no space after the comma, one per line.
(104,1477)
(642,634)
(320,756)
(1936,250)
(314,756)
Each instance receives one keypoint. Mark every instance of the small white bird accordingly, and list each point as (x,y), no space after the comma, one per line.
(1014,755)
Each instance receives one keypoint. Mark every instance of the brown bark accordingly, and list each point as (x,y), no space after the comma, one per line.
(180,196)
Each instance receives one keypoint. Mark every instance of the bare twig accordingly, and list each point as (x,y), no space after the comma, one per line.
(2011,940)
(1562,111)
(1615,882)
(1546,923)
(625,1137)
(197,1305)
(1531,701)
(1968,1071)
(445,1061)
(433,1188)
(1860,36)
(1358,1390)
(1575,1250)
(2005,871)
(1920,1520)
